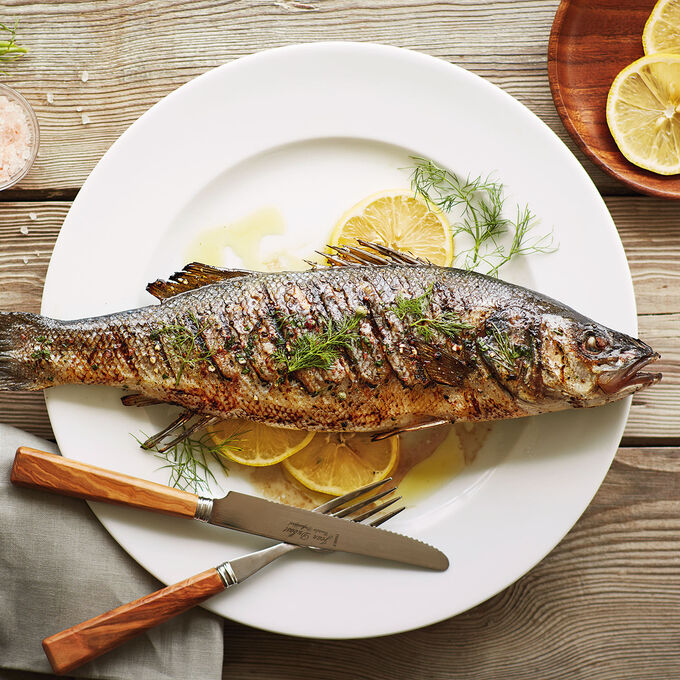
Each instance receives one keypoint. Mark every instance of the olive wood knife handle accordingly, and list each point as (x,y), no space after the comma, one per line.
(41,470)
(86,641)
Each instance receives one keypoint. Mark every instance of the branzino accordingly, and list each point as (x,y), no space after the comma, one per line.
(374,344)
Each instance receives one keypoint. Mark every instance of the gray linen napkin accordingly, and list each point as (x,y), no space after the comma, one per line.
(59,566)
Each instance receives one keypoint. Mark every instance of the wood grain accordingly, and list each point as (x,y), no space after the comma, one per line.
(590,42)
(41,470)
(604,605)
(135,53)
(71,648)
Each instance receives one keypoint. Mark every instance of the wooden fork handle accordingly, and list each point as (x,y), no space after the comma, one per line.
(41,470)
(86,641)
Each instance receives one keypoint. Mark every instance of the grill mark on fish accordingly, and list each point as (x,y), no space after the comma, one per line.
(291,303)
(272,312)
(418,289)
(224,358)
(369,358)
(393,332)
(329,306)
(339,370)
(249,322)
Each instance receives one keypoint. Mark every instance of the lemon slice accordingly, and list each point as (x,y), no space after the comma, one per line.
(662,30)
(401,221)
(255,444)
(643,113)
(335,463)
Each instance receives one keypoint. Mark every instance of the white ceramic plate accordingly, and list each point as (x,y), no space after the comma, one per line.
(311,129)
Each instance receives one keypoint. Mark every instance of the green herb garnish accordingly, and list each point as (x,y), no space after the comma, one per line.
(9,49)
(189,461)
(42,351)
(184,344)
(482,202)
(319,349)
(447,323)
(505,353)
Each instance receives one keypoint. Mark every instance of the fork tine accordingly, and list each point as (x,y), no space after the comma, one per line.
(381,520)
(374,511)
(341,500)
(363,503)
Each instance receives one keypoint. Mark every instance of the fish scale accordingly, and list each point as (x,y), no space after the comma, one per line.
(520,352)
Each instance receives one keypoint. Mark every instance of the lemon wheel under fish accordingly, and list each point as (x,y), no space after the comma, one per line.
(401,221)
(336,463)
(255,444)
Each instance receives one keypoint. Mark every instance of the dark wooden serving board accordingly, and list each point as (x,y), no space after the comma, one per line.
(590,42)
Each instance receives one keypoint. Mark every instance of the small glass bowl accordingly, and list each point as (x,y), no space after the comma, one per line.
(14,96)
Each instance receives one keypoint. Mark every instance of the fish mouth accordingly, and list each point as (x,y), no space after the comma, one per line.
(631,376)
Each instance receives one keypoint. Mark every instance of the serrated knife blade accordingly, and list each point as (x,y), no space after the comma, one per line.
(254,515)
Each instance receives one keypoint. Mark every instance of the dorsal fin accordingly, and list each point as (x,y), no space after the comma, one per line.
(194,275)
(373,254)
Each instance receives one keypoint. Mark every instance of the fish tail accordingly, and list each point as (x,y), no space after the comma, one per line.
(22,367)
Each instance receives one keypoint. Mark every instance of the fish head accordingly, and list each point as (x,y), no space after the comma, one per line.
(555,357)
(588,364)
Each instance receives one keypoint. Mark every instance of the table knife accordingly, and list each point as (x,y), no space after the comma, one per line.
(238,511)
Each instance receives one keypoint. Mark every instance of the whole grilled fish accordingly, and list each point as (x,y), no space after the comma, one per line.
(380,343)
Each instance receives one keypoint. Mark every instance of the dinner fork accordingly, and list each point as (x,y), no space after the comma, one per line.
(85,641)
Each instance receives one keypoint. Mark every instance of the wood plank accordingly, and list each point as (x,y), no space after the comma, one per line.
(134,53)
(604,605)
(653,252)
(650,231)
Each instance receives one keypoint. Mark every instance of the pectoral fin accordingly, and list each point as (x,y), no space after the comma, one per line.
(138,399)
(179,429)
(418,424)
(442,366)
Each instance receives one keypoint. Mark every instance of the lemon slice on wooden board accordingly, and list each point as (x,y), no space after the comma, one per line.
(336,463)
(662,30)
(643,113)
(255,444)
(401,221)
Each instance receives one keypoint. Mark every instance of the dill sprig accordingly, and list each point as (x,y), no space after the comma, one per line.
(319,349)
(412,306)
(8,45)
(442,188)
(189,461)
(482,203)
(185,345)
(521,244)
(42,350)
(448,323)
(505,353)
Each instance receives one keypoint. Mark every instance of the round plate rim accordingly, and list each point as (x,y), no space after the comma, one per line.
(621,408)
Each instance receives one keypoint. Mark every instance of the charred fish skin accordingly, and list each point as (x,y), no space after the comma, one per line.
(352,348)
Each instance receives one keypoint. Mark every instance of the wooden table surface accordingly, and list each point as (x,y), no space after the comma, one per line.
(605,604)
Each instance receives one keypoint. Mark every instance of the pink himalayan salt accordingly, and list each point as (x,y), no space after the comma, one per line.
(15,139)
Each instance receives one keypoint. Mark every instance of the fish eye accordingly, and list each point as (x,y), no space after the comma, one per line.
(594,344)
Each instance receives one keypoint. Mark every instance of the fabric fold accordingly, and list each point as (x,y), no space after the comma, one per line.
(59,566)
